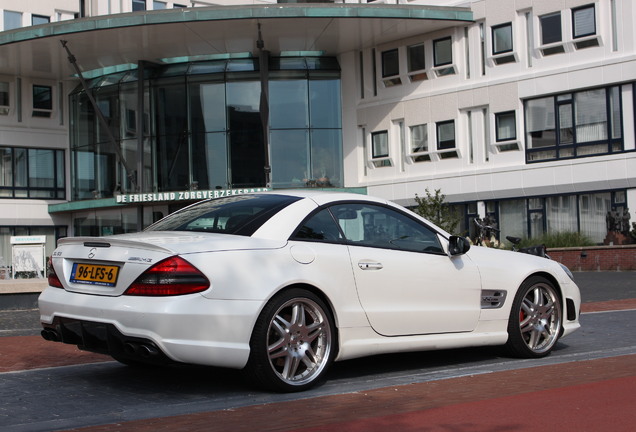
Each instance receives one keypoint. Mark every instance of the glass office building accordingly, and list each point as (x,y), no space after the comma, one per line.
(204,126)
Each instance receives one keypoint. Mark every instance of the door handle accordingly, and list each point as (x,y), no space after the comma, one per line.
(370,265)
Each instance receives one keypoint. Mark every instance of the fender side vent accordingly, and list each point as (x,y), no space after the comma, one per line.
(492,299)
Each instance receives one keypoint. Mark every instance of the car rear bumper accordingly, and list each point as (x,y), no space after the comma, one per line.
(185,329)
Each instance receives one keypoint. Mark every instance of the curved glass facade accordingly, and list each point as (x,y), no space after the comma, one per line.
(204,127)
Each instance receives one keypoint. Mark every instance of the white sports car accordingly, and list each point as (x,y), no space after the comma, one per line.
(284,283)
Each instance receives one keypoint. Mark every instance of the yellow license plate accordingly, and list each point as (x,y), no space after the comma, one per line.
(95,274)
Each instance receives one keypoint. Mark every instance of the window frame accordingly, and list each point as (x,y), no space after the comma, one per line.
(447,67)
(380,159)
(136,4)
(374,210)
(494,39)
(45,19)
(567,103)
(498,116)
(42,109)
(6,94)
(445,147)
(551,47)
(580,9)
(24,178)
(390,77)
(416,73)
(543,22)
(14,14)
(419,155)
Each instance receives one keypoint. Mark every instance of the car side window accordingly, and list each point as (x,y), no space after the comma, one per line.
(319,227)
(378,226)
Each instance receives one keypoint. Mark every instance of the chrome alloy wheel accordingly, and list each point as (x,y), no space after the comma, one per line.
(535,320)
(539,319)
(299,341)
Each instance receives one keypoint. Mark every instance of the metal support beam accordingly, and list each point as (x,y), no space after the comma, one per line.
(263,65)
(130,172)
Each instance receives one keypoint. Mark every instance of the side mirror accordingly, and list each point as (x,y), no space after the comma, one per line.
(458,245)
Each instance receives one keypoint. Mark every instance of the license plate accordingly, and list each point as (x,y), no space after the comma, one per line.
(95,274)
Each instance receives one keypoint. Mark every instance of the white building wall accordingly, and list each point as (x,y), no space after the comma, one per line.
(483,171)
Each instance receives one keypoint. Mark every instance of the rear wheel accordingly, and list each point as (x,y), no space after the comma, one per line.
(535,319)
(293,342)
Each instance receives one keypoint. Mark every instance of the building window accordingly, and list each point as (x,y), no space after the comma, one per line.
(551,34)
(12,20)
(571,125)
(138,5)
(4,98)
(40,19)
(502,39)
(391,68)
(32,173)
(42,101)
(502,46)
(380,149)
(443,56)
(506,126)
(584,27)
(419,143)
(446,139)
(551,28)
(583,21)
(443,52)
(158,5)
(416,62)
(506,131)
(446,135)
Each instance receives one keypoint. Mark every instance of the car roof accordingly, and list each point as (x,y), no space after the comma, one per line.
(322,197)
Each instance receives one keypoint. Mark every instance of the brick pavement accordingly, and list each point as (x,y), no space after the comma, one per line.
(510,400)
(593,395)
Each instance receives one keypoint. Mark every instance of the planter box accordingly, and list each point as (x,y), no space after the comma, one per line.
(596,258)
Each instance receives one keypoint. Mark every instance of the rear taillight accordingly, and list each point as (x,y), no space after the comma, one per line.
(172,276)
(54,281)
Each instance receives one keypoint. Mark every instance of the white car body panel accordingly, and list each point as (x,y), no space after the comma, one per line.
(377,310)
(415,293)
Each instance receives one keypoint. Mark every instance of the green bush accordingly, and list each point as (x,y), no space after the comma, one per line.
(435,208)
(559,239)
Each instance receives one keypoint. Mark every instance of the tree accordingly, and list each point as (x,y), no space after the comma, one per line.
(434,208)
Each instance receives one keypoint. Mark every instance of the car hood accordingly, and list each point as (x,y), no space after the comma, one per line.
(177,242)
(510,268)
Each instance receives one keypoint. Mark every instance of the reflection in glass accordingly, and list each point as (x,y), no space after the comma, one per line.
(288,107)
(172,136)
(289,151)
(247,151)
(324,103)
(210,166)
(207,107)
(326,158)
(566,132)
(540,123)
(502,39)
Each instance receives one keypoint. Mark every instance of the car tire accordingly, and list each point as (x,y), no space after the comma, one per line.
(535,319)
(293,342)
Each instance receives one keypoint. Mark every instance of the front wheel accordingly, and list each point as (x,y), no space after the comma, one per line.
(293,342)
(535,320)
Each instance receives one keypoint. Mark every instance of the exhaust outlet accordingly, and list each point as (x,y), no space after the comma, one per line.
(50,335)
(131,348)
(148,351)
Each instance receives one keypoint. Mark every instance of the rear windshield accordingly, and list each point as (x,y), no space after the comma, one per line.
(240,214)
